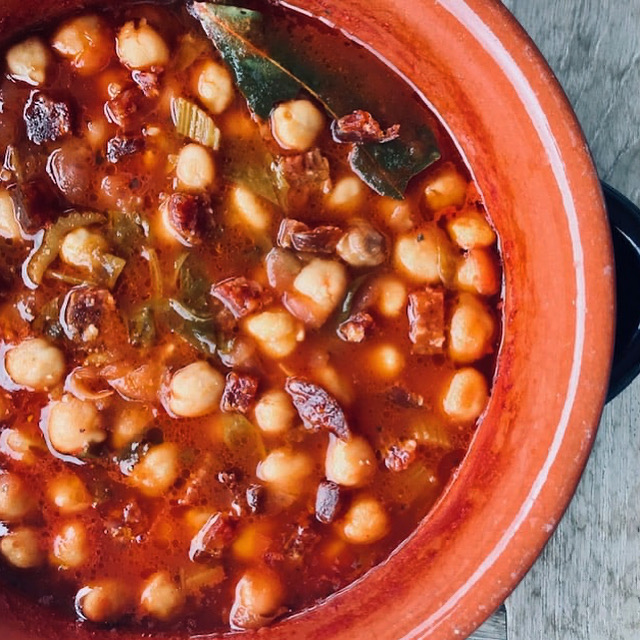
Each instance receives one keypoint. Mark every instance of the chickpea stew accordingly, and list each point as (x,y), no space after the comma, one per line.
(247,325)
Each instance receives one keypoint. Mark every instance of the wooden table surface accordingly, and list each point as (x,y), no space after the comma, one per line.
(586,584)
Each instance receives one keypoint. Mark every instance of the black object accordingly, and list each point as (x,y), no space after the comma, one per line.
(624,218)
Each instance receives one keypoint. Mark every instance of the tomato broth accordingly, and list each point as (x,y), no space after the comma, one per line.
(248,317)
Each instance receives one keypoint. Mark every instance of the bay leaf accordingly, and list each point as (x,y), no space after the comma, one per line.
(389,166)
(249,162)
(269,70)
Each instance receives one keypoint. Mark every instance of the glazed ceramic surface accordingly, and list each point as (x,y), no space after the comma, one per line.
(521,140)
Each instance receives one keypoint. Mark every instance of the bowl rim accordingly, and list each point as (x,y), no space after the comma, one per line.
(503,37)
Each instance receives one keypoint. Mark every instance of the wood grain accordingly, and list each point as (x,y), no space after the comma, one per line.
(586,584)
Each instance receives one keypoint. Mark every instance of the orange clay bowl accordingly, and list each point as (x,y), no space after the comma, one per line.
(514,126)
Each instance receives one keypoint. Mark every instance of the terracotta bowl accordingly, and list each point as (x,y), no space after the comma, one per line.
(514,126)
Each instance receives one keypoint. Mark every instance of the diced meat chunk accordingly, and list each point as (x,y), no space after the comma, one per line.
(301,543)
(255,496)
(85,309)
(135,383)
(127,522)
(360,126)
(188,217)
(310,169)
(427,320)
(120,108)
(36,203)
(121,146)
(294,234)
(327,502)
(192,491)
(216,534)
(288,227)
(317,408)
(304,174)
(239,392)
(405,398)
(148,82)
(400,456)
(355,328)
(46,119)
(240,295)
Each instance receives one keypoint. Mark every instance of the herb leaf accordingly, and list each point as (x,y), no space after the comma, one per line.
(248,161)
(194,288)
(265,78)
(388,167)
(142,327)
(201,333)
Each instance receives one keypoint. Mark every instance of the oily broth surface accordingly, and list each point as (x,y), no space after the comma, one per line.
(130,536)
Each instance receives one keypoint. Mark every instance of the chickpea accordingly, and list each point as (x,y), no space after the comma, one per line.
(258,598)
(420,254)
(195,169)
(365,522)
(74,425)
(274,412)
(21,548)
(466,395)
(86,42)
(347,194)
(285,470)
(35,364)
(471,331)
(68,494)
(70,546)
(28,61)
(351,463)
(18,444)
(446,188)
(141,47)
(251,211)
(215,87)
(195,390)
(82,248)
(129,424)
(398,215)
(296,124)
(338,384)
(9,226)
(324,282)
(102,601)
(16,500)
(470,230)
(478,273)
(392,296)
(277,332)
(161,597)
(158,470)
(362,246)
(386,360)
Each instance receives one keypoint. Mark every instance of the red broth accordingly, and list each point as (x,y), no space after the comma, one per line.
(224,399)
